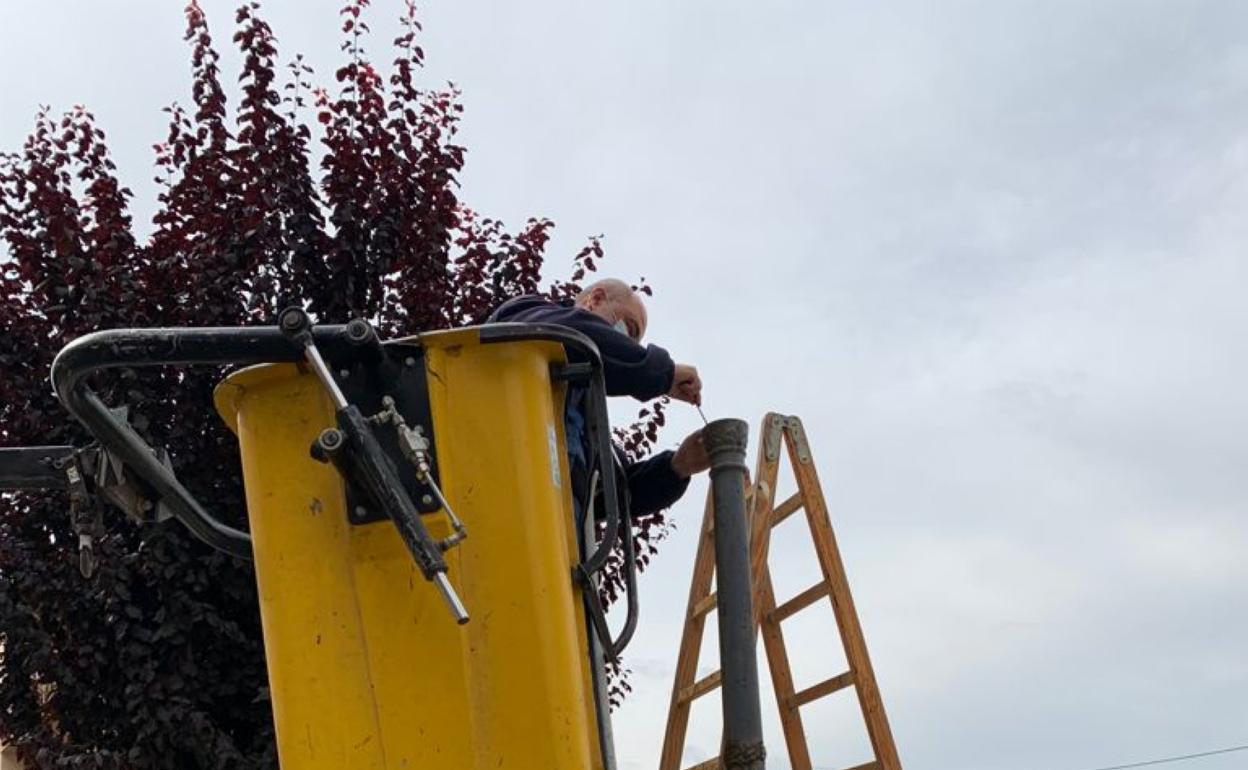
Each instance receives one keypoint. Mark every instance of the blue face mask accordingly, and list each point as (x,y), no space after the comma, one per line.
(622,328)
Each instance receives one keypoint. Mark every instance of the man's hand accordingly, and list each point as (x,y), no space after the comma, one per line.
(686,385)
(691,457)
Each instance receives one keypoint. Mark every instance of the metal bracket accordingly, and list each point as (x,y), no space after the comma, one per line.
(798,436)
(91,475)
(771,436)
(776,426)
(399,376)
(114,483)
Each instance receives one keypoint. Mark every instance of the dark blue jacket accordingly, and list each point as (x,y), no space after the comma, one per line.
(630,369)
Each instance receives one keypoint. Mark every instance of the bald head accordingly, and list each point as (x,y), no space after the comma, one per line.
(614,301)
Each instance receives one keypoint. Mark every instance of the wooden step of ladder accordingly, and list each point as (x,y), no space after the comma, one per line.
(780,432)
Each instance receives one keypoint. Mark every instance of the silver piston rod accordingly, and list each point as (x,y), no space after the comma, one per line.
(378,475)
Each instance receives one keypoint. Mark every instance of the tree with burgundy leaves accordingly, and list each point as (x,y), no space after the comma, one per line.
(156,661)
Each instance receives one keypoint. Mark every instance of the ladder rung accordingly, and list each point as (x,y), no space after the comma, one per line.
(711,764)
(701,687)
(705,605)
(801,601)
(787,508)
(826,687)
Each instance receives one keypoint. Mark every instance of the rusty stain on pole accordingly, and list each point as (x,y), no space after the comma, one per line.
(725,442)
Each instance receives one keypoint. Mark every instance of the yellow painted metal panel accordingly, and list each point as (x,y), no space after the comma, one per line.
(367,668)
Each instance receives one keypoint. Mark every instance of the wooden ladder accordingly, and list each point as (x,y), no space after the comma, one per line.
(779,431)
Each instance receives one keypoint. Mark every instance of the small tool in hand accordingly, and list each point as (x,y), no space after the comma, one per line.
(704,420)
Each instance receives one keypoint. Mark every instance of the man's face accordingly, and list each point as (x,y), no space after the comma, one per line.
(629,310)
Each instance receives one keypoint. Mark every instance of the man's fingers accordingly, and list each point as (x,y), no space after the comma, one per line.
(691,457)
(692,388)
(686,384)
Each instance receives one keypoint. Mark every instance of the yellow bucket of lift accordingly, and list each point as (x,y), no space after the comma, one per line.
(367,669)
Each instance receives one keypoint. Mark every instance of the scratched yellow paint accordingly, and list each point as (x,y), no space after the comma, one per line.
(367,669)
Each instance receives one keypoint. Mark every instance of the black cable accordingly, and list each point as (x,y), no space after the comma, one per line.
(1146,763)
(1182,758)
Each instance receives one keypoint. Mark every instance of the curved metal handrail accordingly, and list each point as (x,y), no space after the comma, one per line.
(168,347)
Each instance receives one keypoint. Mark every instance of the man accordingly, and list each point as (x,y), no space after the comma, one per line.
(611,314)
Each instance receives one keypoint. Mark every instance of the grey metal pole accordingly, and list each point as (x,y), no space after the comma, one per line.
(725,442)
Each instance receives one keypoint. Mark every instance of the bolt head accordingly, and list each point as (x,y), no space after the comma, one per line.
(358,330)
(292,318)
(331,438)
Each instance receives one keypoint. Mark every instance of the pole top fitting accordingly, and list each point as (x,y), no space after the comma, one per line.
(727,439)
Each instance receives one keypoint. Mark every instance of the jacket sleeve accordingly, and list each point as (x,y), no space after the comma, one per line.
(630,369)
(653,485)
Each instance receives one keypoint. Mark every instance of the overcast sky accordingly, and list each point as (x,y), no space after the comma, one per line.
(991,252)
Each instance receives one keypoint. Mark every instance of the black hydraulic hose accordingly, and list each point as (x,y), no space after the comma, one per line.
(617,518)
(618,528)
(630,588)
(601,438)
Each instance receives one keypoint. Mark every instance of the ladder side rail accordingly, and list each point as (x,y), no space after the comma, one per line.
(767,472)
(878,730)
(690,646)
